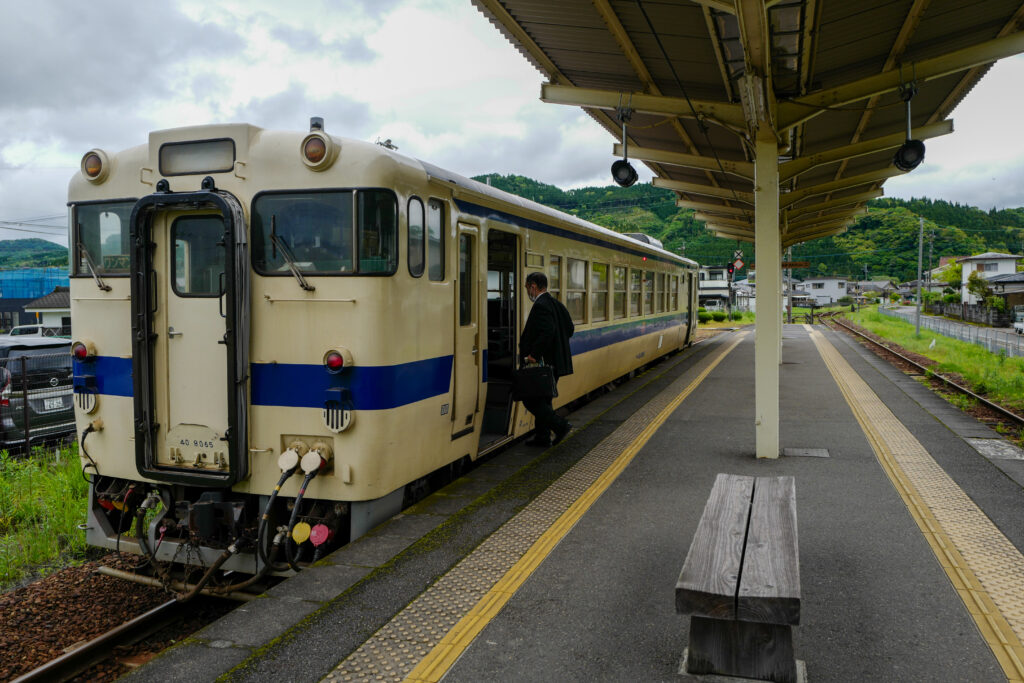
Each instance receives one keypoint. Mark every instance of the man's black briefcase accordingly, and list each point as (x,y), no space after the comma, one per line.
(534,381)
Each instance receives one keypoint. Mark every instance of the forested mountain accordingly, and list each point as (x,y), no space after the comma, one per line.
(882,242)
(31,253)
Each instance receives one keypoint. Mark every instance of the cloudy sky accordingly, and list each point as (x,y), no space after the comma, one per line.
(432,75)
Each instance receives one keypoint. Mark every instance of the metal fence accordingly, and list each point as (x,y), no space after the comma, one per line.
(994,340)
(36,398)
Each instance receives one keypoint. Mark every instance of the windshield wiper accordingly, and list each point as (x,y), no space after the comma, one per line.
(92,267)
(286,253)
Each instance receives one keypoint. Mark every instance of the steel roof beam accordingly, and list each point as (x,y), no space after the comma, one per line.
(739,238)
(730,231)
(743,169)
(793,168)
(834,203)
(803,108)
(821,231)
(728,6)
(796,226)
(704,190)
(728,222)
(723,113)
(843,183)
(714,208)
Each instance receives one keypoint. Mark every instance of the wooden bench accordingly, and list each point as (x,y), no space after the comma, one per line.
(741,581)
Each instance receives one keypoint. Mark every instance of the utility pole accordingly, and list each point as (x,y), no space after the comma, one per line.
(920,258)
(789,287)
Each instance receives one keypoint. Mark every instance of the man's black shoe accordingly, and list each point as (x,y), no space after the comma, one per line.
(539,442)
(560,434)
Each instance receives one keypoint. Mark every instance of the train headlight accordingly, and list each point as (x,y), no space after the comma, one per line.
(318,151)
(83,351)
(337,359)
(95,166)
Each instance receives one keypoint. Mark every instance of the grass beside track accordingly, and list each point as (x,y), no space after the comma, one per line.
(42,501)
(995,376)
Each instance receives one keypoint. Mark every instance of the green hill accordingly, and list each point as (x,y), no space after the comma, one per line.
(31,253)
(882,242)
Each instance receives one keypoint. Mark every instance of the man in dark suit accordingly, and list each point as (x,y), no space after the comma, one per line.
(546,338)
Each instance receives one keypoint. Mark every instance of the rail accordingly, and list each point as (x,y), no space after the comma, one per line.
(994,407)
(71,664)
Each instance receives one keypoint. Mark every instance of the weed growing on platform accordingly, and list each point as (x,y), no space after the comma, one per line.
(999,378)
(42,500)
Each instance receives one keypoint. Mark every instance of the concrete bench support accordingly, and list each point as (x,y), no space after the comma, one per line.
(741,581)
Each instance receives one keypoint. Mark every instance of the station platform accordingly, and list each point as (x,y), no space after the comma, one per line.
(562,565)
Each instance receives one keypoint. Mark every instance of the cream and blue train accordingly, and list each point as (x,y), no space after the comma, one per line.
(252,307)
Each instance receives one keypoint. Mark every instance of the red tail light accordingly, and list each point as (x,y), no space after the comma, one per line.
(334,361)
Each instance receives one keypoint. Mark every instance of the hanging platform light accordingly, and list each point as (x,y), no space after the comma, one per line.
(911,153)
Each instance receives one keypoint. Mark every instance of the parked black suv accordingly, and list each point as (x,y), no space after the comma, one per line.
(42,367)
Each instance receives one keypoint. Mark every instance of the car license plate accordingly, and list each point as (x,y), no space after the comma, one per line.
(53,403)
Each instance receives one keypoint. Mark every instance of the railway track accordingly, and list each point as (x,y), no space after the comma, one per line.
(1004,414)
(79,660)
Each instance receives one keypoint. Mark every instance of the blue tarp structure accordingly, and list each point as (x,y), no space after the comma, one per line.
(31,283)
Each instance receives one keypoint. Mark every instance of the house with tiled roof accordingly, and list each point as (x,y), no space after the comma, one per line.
(988,265)
(53,310)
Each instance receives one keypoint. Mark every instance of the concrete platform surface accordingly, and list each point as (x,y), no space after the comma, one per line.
(562,565)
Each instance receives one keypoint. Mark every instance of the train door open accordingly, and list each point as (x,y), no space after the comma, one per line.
(467,334)
(501,334)
(189,324)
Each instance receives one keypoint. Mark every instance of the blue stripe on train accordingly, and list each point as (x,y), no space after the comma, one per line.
(368,388)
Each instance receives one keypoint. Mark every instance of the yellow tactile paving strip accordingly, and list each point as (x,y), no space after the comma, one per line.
(984,567)
(423,641)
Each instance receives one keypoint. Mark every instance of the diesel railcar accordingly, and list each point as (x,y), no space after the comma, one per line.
(279,335)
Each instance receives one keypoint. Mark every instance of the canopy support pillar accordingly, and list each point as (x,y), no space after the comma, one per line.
(768,329)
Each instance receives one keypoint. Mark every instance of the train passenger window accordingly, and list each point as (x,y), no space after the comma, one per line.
(465,279)
(635,285)
(198,258)
(576,289)
(416,234)
(555,276)
(618,292)
(378,231)
(598,292)
(673,293)
(660,294)
(648,292)
(435,240)
(101,234)
(313,230)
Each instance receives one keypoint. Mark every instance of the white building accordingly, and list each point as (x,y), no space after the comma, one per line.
(713,287)
(987,265)
(824,290)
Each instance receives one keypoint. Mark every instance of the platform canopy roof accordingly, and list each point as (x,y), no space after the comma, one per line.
(701,76)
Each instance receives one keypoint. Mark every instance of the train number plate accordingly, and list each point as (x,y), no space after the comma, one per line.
(55,403)
(195,446)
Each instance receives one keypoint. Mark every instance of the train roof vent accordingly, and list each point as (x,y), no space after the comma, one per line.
(645,238)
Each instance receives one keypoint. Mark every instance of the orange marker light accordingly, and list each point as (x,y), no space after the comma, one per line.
(314,150)
(92,165)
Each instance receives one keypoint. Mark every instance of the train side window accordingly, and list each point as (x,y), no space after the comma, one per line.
(598,292)
(660,293)
(465,280)
(555,276)
(648,292)
(618,292)
(576,289)
(635,286)
(435,240)
(378,231)
(673,296)
(101,234)
(417,231)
